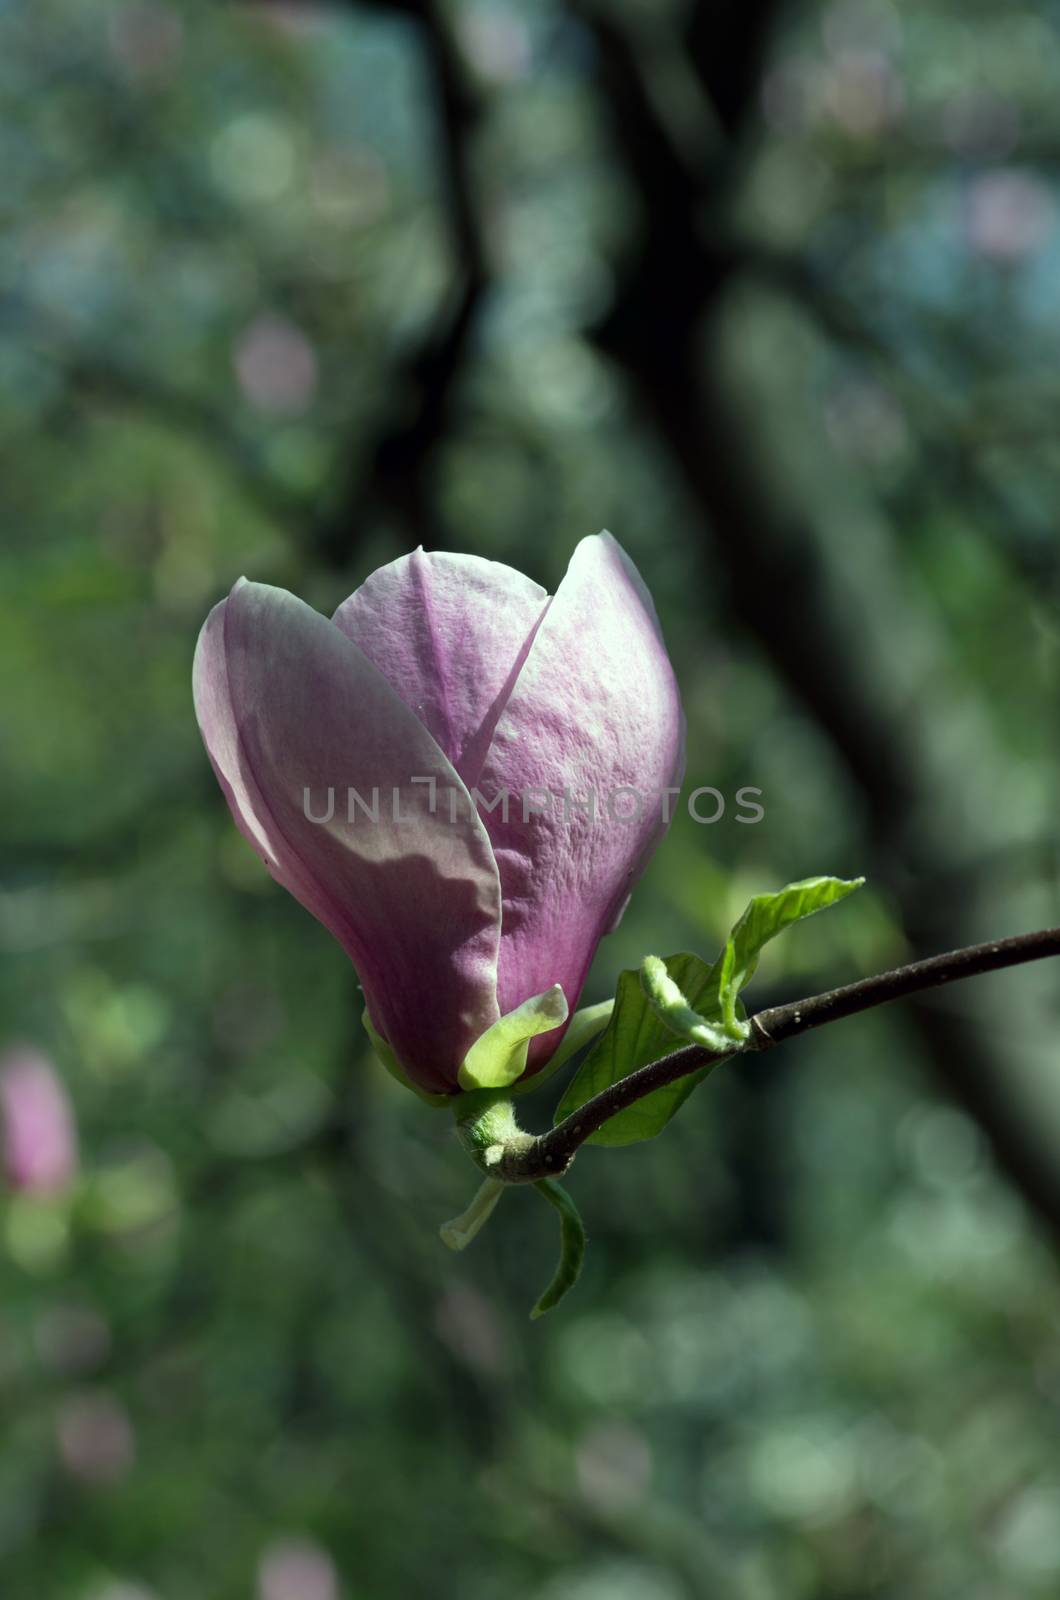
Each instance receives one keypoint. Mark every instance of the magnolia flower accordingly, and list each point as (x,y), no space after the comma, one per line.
(367,760)
(39,1136)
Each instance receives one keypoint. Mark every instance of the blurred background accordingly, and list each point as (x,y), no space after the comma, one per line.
(773,292)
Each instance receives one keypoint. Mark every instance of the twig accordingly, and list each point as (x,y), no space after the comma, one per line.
(553,1152)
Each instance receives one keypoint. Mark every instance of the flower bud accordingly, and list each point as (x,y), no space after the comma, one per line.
(428,774)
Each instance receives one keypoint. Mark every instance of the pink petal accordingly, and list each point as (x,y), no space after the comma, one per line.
(286,702)
(595,707)
(450,634)
(39,1136)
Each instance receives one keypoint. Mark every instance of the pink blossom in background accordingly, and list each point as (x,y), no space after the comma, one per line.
(1010,215)
(613,1464)
(39,1135)
(72,1338)
(146,39)
(96,1439)
(467,1322)
(297,1569)
(276,367)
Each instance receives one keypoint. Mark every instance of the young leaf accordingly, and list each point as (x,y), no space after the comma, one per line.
(671,1006)
(690,998)
(636,1036)
(769,914)
(571,1246)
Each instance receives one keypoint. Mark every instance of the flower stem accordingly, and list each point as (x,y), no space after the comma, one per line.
(488,1129)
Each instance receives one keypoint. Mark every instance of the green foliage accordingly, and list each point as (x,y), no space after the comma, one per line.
(765,917)
(683,995)
(670,1004)
(635,1036)
(571,1247)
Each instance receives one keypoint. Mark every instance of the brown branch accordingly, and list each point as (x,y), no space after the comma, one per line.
(529,1160)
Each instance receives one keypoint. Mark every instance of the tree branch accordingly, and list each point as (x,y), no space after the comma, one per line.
(552,1153)
(397,473)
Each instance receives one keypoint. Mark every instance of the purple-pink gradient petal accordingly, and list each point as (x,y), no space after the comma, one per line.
(286,702)
(460,669)
(450,634)
(39,1133)
(596,708)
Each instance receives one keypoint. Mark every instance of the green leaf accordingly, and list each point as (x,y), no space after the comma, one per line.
(671,1006)
(688,998)
(571,1246)
(636,1036)
(765,917)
